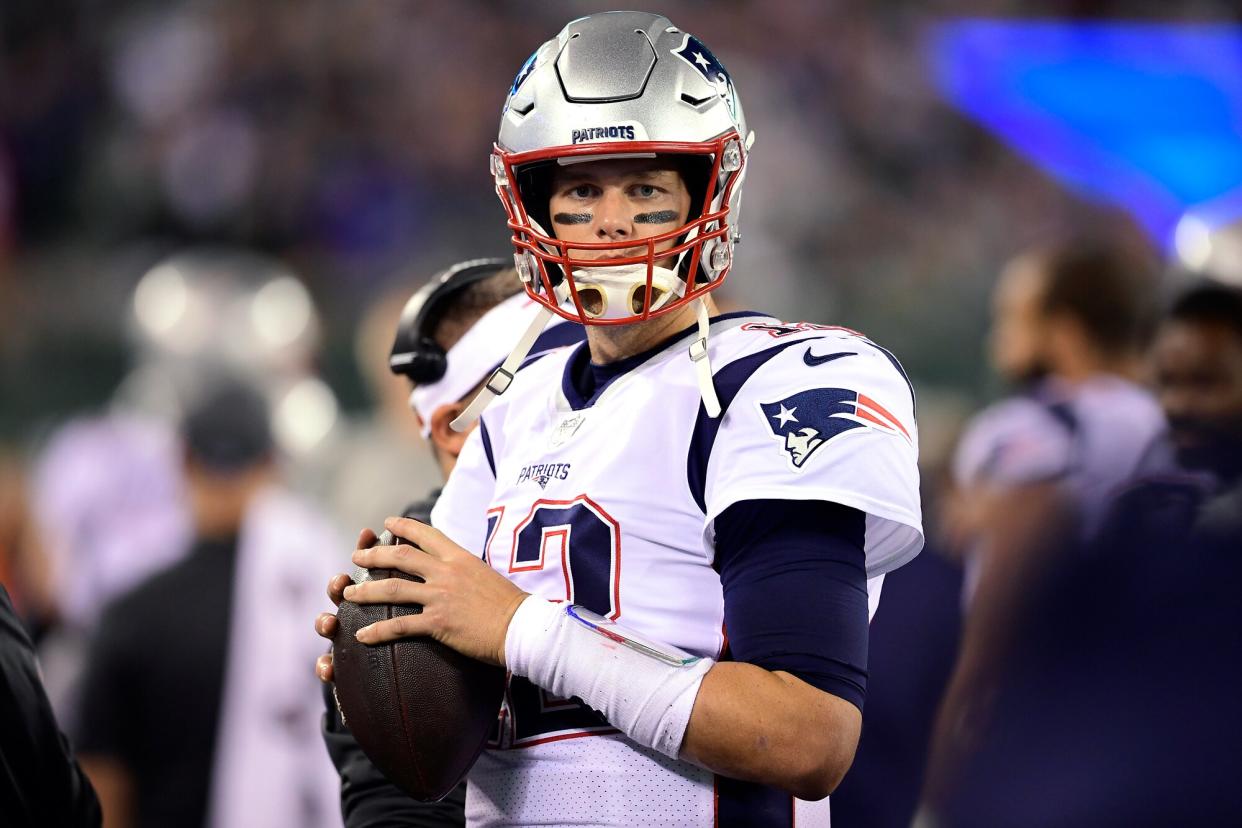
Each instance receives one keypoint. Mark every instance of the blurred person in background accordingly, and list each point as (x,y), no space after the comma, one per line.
(40,782)
(451,335)
(196,705)
(107,494)
(108,507)
(1197,367)
(1034,472)
(1117,703)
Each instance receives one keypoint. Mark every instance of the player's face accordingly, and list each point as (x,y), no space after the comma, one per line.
(1198,375)
(1018,325)
(801,443)
(617,200)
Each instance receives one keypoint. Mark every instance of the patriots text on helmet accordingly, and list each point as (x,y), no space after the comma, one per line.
(619,132)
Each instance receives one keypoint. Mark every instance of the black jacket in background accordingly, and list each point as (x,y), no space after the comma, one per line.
(40,781)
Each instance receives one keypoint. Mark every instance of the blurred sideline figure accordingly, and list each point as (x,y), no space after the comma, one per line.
(1118,703)
(1197,363)
(451,335)
(106,491)
(198,710)
(108,506)
(1034,472)
(40,782)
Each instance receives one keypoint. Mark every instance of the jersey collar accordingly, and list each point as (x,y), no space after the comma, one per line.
(583,382)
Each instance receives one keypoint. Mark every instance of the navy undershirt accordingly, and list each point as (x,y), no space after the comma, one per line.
(793,572)
(795,590)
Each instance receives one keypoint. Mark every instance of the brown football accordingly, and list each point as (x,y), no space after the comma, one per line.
(419,709)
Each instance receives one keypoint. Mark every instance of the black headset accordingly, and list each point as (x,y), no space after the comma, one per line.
(415,353)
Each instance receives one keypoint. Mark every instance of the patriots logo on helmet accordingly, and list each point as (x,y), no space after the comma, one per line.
(808,420)
(524,73)
(693,52)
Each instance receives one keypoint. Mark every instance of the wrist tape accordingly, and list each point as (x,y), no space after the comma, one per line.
(644,689)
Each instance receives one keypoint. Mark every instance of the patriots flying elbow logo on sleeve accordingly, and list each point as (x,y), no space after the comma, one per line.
(808,420)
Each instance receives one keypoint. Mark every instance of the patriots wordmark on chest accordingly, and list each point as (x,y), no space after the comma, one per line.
(543,473)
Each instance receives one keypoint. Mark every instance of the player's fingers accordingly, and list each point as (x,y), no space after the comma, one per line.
(402,626)
(404,557)
(388,591)
(326,624)
(366,538)
(336,587)
(431,540)
(323,668)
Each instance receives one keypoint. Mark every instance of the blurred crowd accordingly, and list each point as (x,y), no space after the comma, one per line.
(212,212)
(352,145)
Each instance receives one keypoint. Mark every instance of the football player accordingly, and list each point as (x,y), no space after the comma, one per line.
(1076,698)
(1034,472)
(1198,376)
(670,534)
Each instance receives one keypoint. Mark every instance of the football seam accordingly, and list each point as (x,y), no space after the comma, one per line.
(405,724)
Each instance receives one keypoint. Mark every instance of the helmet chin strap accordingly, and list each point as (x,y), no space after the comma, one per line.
(702,363)
(498,383)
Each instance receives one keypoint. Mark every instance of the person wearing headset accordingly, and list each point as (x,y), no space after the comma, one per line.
(452,334)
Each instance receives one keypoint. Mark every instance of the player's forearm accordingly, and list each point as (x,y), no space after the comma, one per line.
(770,727)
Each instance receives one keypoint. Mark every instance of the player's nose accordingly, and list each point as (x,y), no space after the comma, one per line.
(613,216)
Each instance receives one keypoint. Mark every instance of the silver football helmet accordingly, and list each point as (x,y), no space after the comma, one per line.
(622,85)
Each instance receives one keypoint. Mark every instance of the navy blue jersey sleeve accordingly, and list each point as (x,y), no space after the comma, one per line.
(795,590)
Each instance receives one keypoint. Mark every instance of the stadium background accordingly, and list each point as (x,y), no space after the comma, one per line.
(349,142)
(352,145)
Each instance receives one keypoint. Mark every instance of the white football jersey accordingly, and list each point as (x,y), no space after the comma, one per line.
(610,503)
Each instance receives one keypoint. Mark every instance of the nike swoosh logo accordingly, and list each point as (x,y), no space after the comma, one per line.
(810,358)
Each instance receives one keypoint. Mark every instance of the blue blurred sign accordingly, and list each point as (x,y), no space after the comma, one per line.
(1146,116)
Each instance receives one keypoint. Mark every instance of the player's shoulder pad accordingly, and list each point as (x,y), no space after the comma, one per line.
(766,356)
(803,385)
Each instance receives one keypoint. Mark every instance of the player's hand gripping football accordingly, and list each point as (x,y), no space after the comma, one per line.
(466,604)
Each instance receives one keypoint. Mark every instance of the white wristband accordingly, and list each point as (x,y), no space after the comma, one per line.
(644,689)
